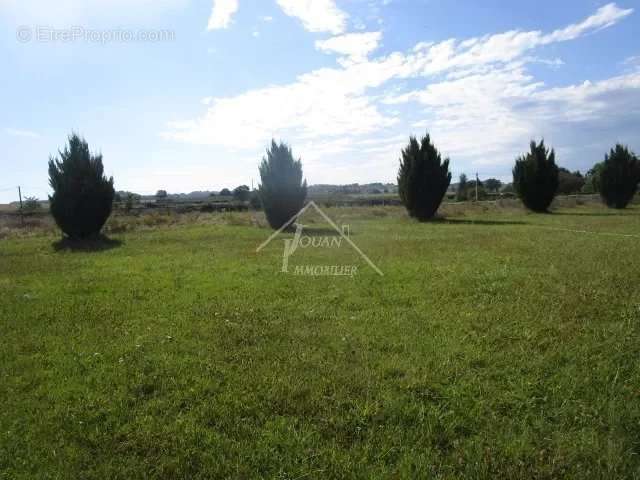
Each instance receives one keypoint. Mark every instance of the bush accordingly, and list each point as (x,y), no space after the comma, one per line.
(619,177)
(423,178)
(535,177)
(283,190)
(130,201)
(82,196)
(31,205)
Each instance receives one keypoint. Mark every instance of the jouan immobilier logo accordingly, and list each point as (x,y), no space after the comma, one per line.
(329,242)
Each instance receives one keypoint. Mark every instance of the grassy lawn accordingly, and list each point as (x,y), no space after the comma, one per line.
(496,345)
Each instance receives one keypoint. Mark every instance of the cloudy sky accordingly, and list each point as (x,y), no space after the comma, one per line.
(184,95)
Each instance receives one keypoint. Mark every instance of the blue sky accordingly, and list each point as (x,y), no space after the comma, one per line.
(345,82)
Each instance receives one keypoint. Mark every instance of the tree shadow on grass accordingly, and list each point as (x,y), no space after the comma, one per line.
(320,231)
(99,243)
(627,213)
(461,221)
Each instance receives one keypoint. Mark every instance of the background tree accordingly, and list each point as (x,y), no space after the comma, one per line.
(619,177)
(569,182)
(162,194)
(471,190)
(283,190)
(423,178)
(535,177)
(225,192)
(242,193)
(592,180)
(82,196)
(493,185)
(31,205)
(461,193)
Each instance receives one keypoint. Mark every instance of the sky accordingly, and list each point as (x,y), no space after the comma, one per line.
(185,95)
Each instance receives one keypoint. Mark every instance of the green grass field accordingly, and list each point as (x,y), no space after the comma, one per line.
(496,345)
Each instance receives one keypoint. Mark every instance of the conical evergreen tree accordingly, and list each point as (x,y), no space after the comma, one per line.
(619,177)
(82,196)
(535,177)
(283,190)
(423,178)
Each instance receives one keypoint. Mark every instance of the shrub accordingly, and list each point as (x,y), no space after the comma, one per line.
(130,201)
(619,177)
(283,190)
(157,219)
(82,196)
(535,177)
(31,205)
(423,178)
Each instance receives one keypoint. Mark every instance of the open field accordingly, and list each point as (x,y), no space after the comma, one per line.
(498,344)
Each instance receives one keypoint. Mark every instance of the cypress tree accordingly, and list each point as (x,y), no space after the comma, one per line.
(423,178)
(535,177)
(283,190)
(82,196)
(619,177)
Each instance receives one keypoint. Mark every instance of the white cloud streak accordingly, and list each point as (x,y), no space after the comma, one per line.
(14,132)
(316,15)
(355,46)
(222,14)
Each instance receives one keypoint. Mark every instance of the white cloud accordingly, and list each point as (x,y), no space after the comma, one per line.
(316,15)
(320,104)
(356,46)
(591,101)
(14,132)
(222,14)
(479,101)
(507,46)
(605,17)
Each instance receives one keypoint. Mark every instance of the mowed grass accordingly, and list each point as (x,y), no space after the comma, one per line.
(496,345)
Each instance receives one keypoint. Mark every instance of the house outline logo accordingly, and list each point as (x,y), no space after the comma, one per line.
(291,244)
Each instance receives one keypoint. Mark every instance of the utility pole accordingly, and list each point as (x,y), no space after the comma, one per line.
(477,181)
(21,211)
